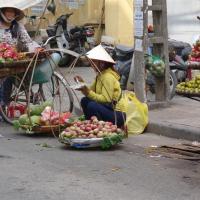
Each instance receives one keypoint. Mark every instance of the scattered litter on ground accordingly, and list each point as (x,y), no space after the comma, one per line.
(156,164)
(186,151)
(195,143)
(115,169)
(155,156)
(45,145)
(1,136)
(153,146)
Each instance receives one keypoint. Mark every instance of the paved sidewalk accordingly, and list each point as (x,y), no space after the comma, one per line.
(180,120)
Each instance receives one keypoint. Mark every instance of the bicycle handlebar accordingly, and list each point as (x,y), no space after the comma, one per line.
(68,15)
(49,39)
(34,17)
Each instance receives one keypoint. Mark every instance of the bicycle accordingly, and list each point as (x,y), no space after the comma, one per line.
(56,89)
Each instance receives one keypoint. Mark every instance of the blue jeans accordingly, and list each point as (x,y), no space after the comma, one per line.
(103,112)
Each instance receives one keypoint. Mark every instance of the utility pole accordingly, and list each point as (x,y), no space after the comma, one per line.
(137,71)
(160,48)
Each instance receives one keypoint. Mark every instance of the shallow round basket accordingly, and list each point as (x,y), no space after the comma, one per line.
(188,94)
(54,129)
(82,143)
(47,129)
(19,63)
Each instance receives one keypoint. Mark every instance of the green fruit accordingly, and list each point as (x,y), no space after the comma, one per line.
(36,110)
(10,60)
(2,60)
(23,119)
(16,124)
(148,61)
(35,120)
(28,122)
(182,84)
(196,91)
(47,103)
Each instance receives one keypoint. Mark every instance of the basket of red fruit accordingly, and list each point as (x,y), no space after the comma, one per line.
(42,119)
(13,62)
(91,133)
(9,57)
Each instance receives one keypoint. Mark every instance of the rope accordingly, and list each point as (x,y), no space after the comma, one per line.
(60,98)
(71,67)
(43,13)
(30,86)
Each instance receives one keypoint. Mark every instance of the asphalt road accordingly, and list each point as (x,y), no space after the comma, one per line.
(29,171)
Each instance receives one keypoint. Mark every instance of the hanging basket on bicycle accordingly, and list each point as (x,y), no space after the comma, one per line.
(42,98)
(14,67)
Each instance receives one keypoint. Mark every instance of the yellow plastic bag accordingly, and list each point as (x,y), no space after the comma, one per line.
(136,114)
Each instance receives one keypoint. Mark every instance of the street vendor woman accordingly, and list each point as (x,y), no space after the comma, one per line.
(103,98)
(14,33)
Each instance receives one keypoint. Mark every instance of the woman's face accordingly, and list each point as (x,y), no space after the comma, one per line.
(9,13)
(99,64)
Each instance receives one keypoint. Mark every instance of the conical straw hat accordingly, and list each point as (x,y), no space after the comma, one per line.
(19,12)
(99,53)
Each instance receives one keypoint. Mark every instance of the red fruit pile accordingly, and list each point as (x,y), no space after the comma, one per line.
(195,55)
(90,129)
(50,117)
(7,52)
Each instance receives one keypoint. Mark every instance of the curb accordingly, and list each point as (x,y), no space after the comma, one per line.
(177,131)
(158,104)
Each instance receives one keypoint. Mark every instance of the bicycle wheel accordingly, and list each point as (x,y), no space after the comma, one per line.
(172,84)
(16,102)
(58,91)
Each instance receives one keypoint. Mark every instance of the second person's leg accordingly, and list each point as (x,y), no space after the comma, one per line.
(104,113)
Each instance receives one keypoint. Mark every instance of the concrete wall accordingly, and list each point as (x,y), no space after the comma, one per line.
(118,17)
(87,13)
(119,21)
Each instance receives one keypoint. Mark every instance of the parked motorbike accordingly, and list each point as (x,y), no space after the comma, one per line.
(178,56)
(123,57)
(81,38)
(76,39)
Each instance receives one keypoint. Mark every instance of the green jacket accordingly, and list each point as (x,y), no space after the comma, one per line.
(106,89)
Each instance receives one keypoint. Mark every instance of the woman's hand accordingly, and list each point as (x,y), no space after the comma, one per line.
(39,49)
(78,79)
(85,90)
